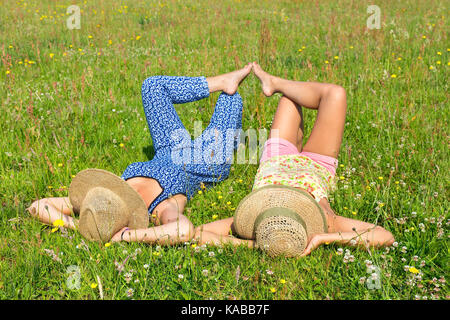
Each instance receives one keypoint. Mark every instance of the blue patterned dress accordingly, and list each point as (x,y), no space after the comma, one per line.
(181,164)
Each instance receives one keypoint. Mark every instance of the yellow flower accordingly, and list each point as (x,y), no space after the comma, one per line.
(336,57)
(273,290)
(108,244)
(121,145)
(424,37)
(138,37)
(89,36)
(438,62)
(193,245)
(156,253)
(58,223)
(8,72)
(60,164)
(380,178)
(439,53)
(413,270)
(282,281)
(229,202)
(240,180)
(393,76)
(93,285)
(354,213)
(220,197)
(351,47)
(326,61)
(200,192)
(55,229)
(431,68)
(51,55)
(214,216)
(300,50)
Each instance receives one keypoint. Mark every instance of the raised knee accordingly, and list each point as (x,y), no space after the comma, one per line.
(151,83)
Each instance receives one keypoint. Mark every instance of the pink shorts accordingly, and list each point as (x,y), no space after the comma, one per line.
(281,147)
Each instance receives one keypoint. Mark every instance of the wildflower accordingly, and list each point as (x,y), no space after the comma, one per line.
(336,57)
(326,61)
(121,145)
(211,254)
(51,55)
(146,266)
(413,270)
(404,249)
(282,281)
(200,192)
(273,290)
(214,216)
(393,76)
(128,276)
(108,244)
(58,223)
(130,292)
(229,202)
(138,37)
(156,253)
(93,285)
(339,251)
(269,272)
(424,37)
(431,67)
(180,276)
(205,272)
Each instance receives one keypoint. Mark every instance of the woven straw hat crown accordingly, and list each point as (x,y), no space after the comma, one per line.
(106,204)
(280,218)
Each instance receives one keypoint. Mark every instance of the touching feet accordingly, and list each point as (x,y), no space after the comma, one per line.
(265,78)
(229,82)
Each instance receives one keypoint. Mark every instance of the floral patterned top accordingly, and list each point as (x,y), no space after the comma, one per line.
(298,171)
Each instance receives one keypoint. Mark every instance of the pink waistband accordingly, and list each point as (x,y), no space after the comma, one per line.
(280,147)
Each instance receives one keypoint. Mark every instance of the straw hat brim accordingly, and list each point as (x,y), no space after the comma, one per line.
(278,196)
(90,178)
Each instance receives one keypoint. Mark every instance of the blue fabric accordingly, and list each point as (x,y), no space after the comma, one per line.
(181,164)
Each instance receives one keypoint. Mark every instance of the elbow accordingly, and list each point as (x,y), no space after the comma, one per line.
(386,236)
(33,209)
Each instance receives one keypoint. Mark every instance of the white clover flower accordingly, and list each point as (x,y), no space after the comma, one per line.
(180,276)
(130,292)
(211,254)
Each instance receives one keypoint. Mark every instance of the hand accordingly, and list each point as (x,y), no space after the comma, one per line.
(118,236)
(315,241)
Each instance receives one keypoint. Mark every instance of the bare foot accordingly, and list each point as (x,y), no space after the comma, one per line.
(265,78)
(232,79)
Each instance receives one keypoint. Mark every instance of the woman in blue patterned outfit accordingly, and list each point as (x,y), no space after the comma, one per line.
(180,166)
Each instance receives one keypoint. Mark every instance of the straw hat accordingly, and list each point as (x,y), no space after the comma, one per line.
(106,204)
(280,218)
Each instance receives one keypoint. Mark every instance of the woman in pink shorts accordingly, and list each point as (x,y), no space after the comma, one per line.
(311,167)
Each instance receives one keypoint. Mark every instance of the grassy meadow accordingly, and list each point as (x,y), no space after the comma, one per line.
(70,100)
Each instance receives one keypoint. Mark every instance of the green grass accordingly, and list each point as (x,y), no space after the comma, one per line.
(72,109)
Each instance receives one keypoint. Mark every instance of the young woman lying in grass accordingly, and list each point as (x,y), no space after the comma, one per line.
(310,167)
(166,186)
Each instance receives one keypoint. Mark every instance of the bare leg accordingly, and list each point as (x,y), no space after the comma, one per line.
(329,100)
(48,210)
